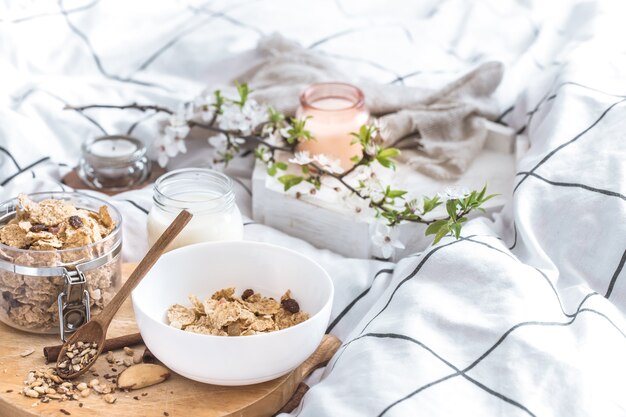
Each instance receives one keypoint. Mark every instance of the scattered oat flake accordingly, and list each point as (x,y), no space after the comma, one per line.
(26,352)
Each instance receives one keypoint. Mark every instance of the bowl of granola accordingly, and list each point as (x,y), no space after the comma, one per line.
(233,313)
(60,260)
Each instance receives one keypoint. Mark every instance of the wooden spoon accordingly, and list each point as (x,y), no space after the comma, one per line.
(95,330)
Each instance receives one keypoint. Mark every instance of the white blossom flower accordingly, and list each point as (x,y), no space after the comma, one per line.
(386,238)
(371,149)
(264,153)
(454,193)
(204,105)
(362,173)
(274,139)
(172,140)
(284,132)
(178,123)
(382,127)
(220,141)
(333,166)
(244,119)
(166,148)
(358,206)
(301,158)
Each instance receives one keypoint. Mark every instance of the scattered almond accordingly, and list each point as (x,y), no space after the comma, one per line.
(142,375)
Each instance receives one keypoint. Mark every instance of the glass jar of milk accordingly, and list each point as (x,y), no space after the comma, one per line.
(207,194)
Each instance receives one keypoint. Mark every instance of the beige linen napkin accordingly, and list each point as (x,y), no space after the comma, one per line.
(447,123)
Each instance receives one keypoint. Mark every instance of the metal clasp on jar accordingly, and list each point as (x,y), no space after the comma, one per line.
(73,302)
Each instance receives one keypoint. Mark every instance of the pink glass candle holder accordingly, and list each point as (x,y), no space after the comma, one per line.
(336,110)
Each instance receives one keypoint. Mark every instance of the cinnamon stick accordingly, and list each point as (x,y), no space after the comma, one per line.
(51,353)
(148,357)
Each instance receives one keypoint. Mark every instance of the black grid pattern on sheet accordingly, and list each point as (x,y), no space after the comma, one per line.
(458,372)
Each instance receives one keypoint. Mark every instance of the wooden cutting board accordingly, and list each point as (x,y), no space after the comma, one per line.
(177,397)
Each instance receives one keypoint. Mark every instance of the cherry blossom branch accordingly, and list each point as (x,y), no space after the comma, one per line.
(273,133)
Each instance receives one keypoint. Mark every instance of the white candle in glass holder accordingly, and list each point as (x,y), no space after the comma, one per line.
(336,110)
(114,162)
(113,148)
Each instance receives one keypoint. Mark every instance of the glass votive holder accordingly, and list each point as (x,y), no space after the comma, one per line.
(114,163)
(336,110)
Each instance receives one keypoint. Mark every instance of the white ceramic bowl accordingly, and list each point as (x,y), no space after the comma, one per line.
(207,267)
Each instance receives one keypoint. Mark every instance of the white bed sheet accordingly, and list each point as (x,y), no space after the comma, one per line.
(522,316)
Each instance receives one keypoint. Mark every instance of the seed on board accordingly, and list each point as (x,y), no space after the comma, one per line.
(75,222)
(290,305)
(109,357)
(93,382)
(128,351)
(85,393)
(26,352)
(128,362)
(31,393)
(67,413)
(109,398)
(81,386)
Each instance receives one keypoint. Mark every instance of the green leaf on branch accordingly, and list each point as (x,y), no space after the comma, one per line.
(389,153)
(271,170)
(384,157)
(443,231)
(395,193)
(244,91)
(297,130)
(456,229)
(433,228)
(290,180)
(387,163)
(219,101)
(430,204)
(281,165)
(276,118)
(451,208)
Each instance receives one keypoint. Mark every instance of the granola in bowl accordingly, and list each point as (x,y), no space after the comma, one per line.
(54,230)
(225,314)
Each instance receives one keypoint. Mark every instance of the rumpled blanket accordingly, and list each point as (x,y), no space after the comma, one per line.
(447,122)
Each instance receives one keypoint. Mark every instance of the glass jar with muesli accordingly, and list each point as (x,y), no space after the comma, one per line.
(60,260)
